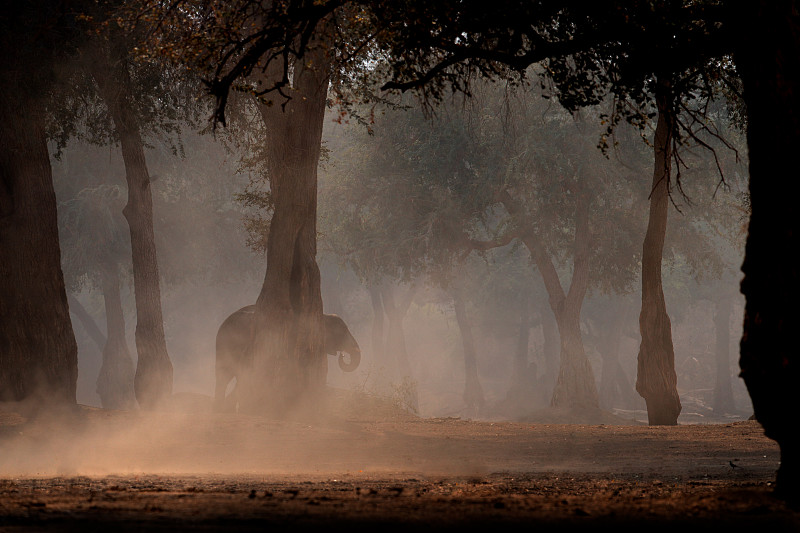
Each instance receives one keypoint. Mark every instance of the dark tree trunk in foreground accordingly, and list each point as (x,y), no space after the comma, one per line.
(656,380)
(153,379)
(768,60)
(473,392)
(288,358)
(38,351)
(115,381)
(723,392)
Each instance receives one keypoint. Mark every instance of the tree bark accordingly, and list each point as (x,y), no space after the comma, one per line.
(38,351)
(288,357)
(115,382)
(723,392)
(768,60)
(656,380)
(473,392)
(153,379)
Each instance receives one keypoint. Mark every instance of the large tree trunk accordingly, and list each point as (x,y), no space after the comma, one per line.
(116,377)
(38,351)
(656,380)
(473,392)
(153,379)
(723,392)
(288,356)
(768,59)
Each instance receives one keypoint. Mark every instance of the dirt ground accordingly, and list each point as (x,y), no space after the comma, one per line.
(362,464)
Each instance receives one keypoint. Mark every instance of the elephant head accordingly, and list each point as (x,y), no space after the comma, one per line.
(339,340)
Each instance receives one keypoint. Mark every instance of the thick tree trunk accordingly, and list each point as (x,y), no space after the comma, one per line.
(288,357)
(38,351)
(768,60)
(153,379)
(723,392)
(473,392)
(116,377)
(656,380)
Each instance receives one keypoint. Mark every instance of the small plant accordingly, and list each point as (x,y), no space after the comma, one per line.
(404,394)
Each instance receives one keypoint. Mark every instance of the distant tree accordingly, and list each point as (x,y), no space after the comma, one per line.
(94,240)
(108,61)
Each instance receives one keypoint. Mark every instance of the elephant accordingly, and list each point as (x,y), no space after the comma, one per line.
(236,333)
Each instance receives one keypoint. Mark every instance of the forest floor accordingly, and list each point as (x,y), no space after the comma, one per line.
(361,464)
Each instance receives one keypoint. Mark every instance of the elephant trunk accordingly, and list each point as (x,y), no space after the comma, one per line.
(355,360)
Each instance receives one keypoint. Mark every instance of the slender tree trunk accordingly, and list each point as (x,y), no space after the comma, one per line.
(38,351)
(768,59)
(520,375)
(656,380)
(473,392)
(551,346)
(723,392)
(378,354)
(611,338)
(288,356)
(116,377)
(77,309)
(153,379)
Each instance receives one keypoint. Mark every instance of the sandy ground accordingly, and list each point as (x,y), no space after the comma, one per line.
(361,464)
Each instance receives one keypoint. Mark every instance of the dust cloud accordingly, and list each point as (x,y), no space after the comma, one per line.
(188,438)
